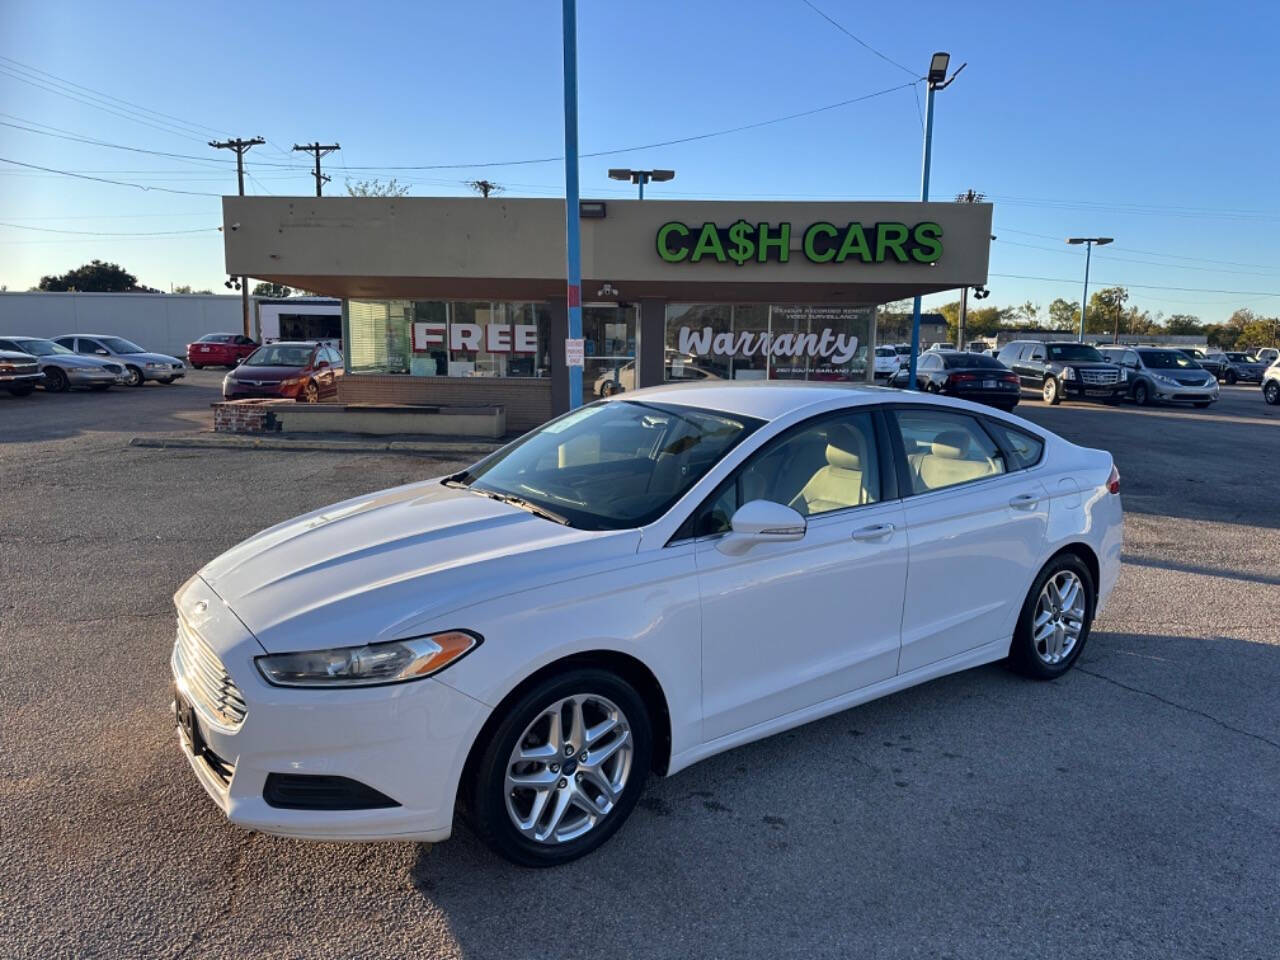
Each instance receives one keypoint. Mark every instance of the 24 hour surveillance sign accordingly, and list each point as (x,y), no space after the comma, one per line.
(820,242)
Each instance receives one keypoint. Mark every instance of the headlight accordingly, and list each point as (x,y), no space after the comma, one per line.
(374,663)
(1068,373)
(1167,380)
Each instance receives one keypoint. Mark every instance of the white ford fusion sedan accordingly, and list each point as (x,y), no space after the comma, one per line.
(635,586)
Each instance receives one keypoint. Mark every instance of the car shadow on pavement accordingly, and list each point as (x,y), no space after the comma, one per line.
(1203,571)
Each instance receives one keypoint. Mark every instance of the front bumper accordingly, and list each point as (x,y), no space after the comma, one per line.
(151,373)
(1199,393)
(1079,390)
(18,379)
(408,741)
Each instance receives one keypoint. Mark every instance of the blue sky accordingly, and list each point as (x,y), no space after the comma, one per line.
(1154,123)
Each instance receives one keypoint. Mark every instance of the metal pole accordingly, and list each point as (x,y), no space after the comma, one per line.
(964,315)
(640,180)
(924,197)
(1084,301)
(318,174)
(571,209)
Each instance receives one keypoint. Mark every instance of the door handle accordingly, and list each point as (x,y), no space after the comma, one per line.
(877,531)
(1024,501)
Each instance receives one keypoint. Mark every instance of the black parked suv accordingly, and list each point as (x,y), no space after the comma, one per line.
(1059,369)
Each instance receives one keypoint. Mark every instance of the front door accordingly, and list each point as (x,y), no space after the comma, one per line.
(975,532)
(789,625)
(609,347)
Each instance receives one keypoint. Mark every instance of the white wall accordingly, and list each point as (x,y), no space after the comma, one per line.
(165,323)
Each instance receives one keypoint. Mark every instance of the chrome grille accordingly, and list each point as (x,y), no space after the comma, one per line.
(207,678)
(1100,376)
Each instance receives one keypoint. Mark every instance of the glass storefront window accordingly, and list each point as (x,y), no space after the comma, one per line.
(776,342)
(437,338)
(609,347)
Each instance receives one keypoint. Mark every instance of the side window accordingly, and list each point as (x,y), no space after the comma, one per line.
(1010,353)
(1024,449)
(944,449)
(827,464)
(85,346)
(1130,359)
(1035,352)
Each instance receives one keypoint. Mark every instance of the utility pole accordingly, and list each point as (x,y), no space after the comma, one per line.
(969,196)
(241,147)
(320,150)
(572,208)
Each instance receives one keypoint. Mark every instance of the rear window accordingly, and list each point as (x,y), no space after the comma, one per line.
(215,338)
(972,361)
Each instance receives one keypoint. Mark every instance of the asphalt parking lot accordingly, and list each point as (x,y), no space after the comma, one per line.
(1130,809)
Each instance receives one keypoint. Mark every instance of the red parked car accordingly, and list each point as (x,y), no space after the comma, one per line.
(219,350)
(290,370)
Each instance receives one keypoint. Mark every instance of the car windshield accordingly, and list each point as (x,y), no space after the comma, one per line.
(40,348)
(1074,351)
(972,361)
(279,356)
(1239,357)
(216,338)
(609,466)
(1166,360)
(120,345)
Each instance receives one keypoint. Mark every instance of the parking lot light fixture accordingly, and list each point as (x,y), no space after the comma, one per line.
(1088,254)
(641,177)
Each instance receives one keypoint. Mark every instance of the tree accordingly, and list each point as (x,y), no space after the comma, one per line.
(376,188)
(1064,315)
(186,288)
(1183,324)
(276,290)
(1106,311)
(485,187)
(94,277)
(1028,312)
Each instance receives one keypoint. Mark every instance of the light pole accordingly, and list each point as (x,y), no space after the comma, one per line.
(936,80)
(1088,255)
(572,210)
(641,177)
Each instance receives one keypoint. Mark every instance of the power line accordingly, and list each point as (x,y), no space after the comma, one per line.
(1149,263)
(885,57)
(118,183)
(1140,286)
(1151,253)
(100,233)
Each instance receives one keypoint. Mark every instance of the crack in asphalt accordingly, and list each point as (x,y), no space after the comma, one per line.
(1180,706)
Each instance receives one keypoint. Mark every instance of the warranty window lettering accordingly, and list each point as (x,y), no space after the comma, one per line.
(820,242)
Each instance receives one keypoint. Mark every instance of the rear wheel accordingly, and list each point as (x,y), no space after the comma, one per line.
(55,380)
(1271,392)
(1055,619)
(563,769)
(1051,391)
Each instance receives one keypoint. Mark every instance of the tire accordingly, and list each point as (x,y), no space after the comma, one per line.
(1271,392)
(609,388)
(1051,391)
(135,376)
(55,380)
(310,393)
(1141,394)
(1060,648)
(197,366)
(1231,378)
(493,805)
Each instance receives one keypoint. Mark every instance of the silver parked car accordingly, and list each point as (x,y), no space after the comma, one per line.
(62,369)
(139,365)
(1158,374)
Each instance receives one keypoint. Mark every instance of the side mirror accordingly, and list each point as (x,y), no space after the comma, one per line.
(240,360)
(762,521)
(102,353)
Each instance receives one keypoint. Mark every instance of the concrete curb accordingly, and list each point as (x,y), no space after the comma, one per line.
(437,448)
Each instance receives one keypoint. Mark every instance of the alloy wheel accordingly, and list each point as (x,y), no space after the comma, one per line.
(1050,390)
(135,377)
(1059,617)
(1272,393)
(568,769)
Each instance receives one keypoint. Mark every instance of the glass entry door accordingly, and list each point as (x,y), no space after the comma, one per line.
(609,348)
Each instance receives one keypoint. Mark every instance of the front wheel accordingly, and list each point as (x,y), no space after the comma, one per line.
(55,380)
(310,393)
(1271,392)
(563,769)
(134,377)
(1055,619)
(1141,394)
(1231,378)
(1052,391)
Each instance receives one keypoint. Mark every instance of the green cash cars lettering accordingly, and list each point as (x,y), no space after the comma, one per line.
(664,241)
(780,243)
(891,236)
(742,244)
(855,243)
(927,242)
(826,231)
(708,243)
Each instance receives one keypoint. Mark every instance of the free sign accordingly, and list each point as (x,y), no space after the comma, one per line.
(488,338)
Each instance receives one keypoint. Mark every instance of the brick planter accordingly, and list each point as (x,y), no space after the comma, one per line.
(246,416)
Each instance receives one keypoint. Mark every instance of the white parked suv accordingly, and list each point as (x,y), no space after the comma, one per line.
(638,585)
(1271,383)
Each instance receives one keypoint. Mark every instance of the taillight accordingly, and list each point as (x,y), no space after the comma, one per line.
(1009,378)
(1113,481)
(962,377)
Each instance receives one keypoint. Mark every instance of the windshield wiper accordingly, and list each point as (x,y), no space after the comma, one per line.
(523,504)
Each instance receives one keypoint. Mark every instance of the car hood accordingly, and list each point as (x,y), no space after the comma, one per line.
(1195,377)
(10,356)
(1085,364)
(388,565)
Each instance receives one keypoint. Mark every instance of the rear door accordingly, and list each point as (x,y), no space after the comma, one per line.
(788,625)
(976,529)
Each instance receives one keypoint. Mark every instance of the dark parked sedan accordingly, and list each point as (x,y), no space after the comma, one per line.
(304,371)
(969,376)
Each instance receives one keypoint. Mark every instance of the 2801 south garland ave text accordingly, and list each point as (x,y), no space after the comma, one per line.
(821,242)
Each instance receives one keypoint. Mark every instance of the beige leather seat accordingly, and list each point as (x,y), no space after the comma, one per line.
(949,461)
(839,484)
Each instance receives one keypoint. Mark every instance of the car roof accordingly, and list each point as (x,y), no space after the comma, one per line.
(762,399)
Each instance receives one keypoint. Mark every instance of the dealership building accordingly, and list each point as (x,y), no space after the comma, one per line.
(461,301)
